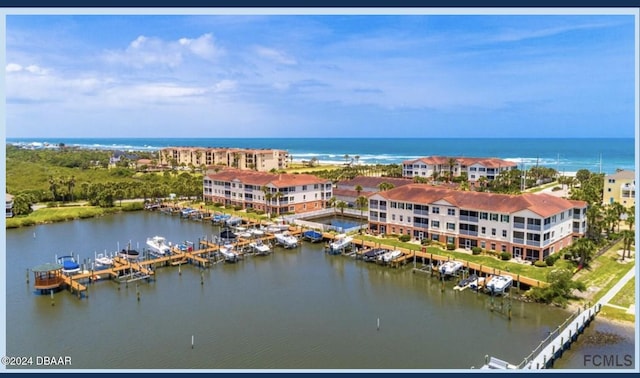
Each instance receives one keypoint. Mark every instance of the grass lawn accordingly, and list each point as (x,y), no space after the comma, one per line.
(604,272)
(616,314)
(60,214)
(627,296)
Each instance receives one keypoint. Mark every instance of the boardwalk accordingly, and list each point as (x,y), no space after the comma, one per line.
(551,348)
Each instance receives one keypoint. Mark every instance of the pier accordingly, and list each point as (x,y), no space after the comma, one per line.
(551,348)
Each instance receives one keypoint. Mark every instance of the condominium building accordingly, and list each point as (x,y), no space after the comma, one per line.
(440,166)
(9,205)
(620,187)
(529,226)
(272,193)
(346,190)
(262,160)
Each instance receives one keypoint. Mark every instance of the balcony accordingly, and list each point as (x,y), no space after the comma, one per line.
(468,218)
(535,227)
(420,212)
(518,241)
(468,232)
(533,243)
(421,225)
(518,225)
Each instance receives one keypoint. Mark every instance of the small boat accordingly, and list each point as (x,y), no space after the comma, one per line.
(276,228)
(373,254)
(233,221)
(464,283)
(129,253)
(450,268)
(478,283)
(256,232)
(228,235)
(286,240)
(260,248)
(227,252)
(220,218)
(69,264)
(340,243)
(312,236)
(102,261)
(158,246)
(185,213)
(499,284)
(389,256)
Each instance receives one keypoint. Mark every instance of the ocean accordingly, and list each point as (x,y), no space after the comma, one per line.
(566,155)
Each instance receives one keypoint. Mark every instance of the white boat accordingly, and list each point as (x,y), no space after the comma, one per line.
(389,256)
(277,228)
(158,246)
(69,264)
(255,232)
(477,283)
(499,284)
(260,248)
(233,221)
(340,243)
(227,252)
(450,268)
(102,261)
(286,240)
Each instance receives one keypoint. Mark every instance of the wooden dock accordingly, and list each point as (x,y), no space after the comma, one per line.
(551,348)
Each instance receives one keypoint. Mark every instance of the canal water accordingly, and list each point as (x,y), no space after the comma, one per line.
(294,309)
(340,222)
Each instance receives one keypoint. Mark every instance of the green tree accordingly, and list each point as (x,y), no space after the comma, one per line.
(385,186)
(583,249)
(560,288)
(628,237)
(341,205)
(22,204)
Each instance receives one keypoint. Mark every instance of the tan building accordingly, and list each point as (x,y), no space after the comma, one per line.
(285,193)
(620,187)
(529,226)
(440,166)
(262,160)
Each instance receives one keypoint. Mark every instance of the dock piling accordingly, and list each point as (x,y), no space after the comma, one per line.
(27,276)
(53,303)
(192,341)
(378,324)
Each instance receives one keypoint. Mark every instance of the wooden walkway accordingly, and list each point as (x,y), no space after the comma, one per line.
(551,348)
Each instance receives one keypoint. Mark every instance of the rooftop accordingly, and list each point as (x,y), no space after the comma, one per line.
(542,204)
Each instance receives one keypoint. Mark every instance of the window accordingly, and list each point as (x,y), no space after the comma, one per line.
(435,224)
(484,216)
(304,187)
(483,230)
(504,233)
(393,217)
(394,205)
(435,210)
(451,226)
(400,218)
(504,248)
(493,246)
(504,218)
(483,244)
(451,211)
(494,217)
(493,232)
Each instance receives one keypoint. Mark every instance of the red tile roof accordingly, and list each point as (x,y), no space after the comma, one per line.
(262,178)
(467,161)
(542,204)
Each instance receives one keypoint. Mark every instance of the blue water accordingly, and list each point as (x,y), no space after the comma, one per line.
(564,154)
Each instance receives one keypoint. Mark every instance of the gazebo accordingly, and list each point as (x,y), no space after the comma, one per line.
(48,276)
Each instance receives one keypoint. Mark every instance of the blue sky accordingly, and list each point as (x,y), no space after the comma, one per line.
(312,75)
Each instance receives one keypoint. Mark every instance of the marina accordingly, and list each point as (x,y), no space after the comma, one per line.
(360,290)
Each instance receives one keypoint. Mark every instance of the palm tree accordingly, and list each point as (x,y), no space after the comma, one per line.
(451,162)
(332,202)
(267,198)
(358,189)
(385,186)
(341,205)
(584,249)
(277,197)
(346,158)
(53,187)
(356,158)
(628,236)
(362,202)
(631,217)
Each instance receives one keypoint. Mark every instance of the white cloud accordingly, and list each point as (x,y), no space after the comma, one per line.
(275,55)
(225,86)
(150,51)
(13,67)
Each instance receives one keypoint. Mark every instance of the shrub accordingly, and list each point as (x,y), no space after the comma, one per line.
(237,208)
(425,241)
(404,238)
(505,256)
(551,259)
(540,264)
(250,210)
(217,204)
(451,247)
(260,212)
(476,250)
(555,188)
